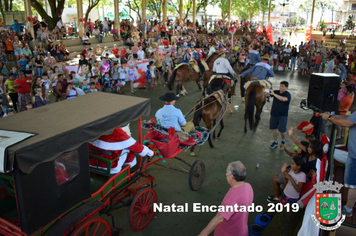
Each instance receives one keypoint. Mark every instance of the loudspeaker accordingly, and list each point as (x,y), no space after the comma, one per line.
(323,91)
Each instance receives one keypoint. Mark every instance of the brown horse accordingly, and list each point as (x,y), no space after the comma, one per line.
(210,109)
(255,97)
(183,72)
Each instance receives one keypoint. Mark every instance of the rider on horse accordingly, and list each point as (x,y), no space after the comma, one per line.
(196,58)
(254,55)
(222,67)
(260,71)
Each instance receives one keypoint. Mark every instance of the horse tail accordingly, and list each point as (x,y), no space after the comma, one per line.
(250,108)
(198,113)
(171,80)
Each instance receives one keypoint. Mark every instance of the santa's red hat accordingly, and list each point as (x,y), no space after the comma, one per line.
(117,140)
(303,124)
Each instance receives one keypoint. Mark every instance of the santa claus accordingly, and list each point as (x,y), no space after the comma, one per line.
(118,147)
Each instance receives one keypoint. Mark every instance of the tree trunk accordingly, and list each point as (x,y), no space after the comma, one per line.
(56,9)
(250,15)
(6,4)
(1,8)
(186,15)
(11,5)
(263,18)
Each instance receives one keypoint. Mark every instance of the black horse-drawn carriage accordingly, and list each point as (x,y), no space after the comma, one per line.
(46,184)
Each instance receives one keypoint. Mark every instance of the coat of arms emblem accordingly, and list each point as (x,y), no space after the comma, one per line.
(328,211)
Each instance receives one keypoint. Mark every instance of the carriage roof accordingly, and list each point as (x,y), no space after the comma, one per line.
(66,125)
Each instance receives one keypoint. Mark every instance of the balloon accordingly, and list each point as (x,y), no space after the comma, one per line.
(29,18)
(80,20)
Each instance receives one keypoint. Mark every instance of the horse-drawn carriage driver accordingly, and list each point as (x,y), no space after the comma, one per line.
(169,116)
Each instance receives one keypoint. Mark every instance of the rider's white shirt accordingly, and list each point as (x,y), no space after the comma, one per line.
(222,65)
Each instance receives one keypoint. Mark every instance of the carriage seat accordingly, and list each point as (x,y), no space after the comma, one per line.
(107,162)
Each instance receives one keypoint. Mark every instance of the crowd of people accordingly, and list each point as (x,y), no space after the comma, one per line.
(37,74)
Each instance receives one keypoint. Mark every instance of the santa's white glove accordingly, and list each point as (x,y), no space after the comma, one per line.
(149,151)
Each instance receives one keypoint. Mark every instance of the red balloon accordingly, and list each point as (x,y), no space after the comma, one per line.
(29,18)
(80,20)
(83,19)
(34,19)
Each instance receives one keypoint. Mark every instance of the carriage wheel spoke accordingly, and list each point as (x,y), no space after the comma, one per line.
(96,228)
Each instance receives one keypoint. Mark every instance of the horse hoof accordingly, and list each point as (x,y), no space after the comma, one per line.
(216,139)
(192,154)
(230,111)
(177,95)
(212,146)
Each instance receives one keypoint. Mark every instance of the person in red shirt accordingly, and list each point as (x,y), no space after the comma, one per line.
(344,107)
(115,51)
(97,84)
(84,52)
(317,62)
(163,30)
(122,55)
(166,42)
(23,86)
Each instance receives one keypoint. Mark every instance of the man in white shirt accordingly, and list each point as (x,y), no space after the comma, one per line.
(212,49)
(105,27)
(286,56)
(140,54)
(331,65)
(97,34)
(60,23)
(222,66)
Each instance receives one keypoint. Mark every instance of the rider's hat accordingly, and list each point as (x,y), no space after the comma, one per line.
(168,97)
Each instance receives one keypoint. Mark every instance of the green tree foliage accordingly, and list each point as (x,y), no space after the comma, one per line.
(350,24)
(135,6)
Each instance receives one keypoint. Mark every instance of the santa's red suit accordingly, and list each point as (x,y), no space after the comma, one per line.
(118,146)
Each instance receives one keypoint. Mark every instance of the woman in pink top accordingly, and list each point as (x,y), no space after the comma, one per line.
(134,51)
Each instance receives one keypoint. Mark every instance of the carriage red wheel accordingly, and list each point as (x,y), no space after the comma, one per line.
(94,227)
(141,209)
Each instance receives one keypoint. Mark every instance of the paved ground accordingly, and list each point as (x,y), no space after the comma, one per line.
(250,148)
